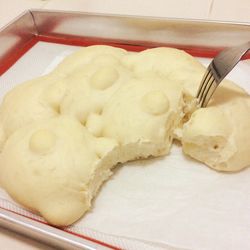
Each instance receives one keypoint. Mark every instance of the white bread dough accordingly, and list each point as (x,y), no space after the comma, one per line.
(219,135)
(61,134)
(24,105)
(41,98)
(167,62)
(89,89)
(99,54)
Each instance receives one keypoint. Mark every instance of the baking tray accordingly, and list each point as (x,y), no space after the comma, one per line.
(197,37)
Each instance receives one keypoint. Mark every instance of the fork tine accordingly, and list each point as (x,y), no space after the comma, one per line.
(207,86)
(209,93)
(203,83)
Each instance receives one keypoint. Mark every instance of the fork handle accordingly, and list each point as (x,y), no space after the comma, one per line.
(227,60)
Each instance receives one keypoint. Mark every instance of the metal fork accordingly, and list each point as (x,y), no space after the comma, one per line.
(217,70)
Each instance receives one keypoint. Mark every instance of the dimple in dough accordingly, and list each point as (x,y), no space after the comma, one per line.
(61,134)
(104,77)
(42,141)
(155,102)
(94,124)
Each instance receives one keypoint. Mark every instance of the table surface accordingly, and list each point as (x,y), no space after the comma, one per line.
(223,10)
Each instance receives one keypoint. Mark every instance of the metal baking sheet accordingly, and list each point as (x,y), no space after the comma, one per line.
(132,33)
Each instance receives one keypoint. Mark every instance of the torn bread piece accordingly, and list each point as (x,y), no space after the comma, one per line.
(219,135)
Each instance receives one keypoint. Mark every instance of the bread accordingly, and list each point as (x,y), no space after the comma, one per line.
(61,134)
(219,135)
(23,105)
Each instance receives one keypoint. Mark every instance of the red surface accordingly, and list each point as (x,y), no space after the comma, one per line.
(12,57)
(194,51)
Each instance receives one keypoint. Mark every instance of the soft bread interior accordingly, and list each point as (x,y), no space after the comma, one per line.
(219,134)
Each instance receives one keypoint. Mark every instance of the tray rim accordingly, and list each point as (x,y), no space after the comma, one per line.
(101,14)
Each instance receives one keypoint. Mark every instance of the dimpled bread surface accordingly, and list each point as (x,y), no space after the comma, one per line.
(61,134)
